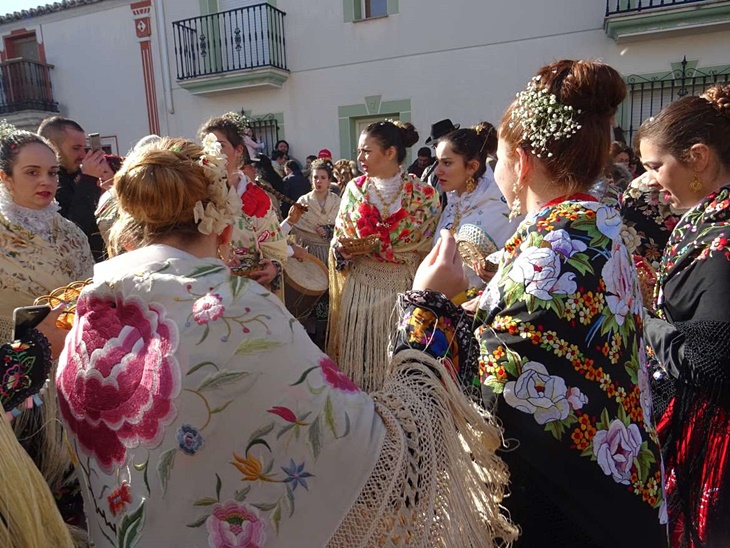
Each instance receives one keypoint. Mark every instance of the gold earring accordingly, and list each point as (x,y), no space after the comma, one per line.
(470,184)
(515,209)
(695,185)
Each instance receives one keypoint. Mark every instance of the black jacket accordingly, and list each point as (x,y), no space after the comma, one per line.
(78,195)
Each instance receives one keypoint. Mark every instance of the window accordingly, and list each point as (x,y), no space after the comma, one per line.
(374,8)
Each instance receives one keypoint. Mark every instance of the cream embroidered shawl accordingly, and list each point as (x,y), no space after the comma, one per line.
(203,415)
(315,216)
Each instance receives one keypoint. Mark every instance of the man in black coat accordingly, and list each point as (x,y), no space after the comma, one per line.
(78,178)
(297,184)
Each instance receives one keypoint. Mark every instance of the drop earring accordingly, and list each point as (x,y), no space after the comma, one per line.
(470,184)
(515,209)
(696,184)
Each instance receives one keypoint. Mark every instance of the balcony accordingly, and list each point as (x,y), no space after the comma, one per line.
(633,20)
(235,49)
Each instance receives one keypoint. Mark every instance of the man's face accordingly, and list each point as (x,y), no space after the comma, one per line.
(283,147)
(72,148)
(423,161)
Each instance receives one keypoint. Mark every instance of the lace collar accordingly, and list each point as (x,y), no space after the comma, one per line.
(38,221)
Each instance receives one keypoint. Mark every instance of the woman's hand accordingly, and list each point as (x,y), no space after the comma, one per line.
(484,274)
(321,231)
(471,305)
(55,335)
(341,252)
(295,214)
(442,270)
(266,273)
(299,252)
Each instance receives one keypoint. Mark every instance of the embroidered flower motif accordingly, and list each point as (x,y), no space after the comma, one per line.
(576,398)
(14,379)
(251,468)
(208,308)
(255,202)
(608,221)
(616,449)
(619,275)
(538,268)
(561,243)
(295,475)
(118,378)
(235,524)
(286,414)
(189,439)
(539,394)
(336,378)
(119,498)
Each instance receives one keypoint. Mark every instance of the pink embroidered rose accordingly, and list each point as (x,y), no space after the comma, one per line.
(616,448)
(118,377)
(336,378)
(208,308)
(538,393)
(233,524)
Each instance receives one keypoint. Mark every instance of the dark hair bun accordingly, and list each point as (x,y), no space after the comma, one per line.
(408,133)
(488,134)
(719,97)
(594,88)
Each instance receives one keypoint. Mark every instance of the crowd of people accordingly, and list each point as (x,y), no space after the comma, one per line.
(518,339)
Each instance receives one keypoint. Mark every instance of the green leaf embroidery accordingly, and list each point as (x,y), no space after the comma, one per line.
(240,495)
(276,518)
(263,506)
(304,375)
(205,501)
(314,438)
(605,421)
(347,425)
(290,499)
(581,263)
(218,485)
(329,416)
(197,522)
(206,270)
(221,407)
(201,364)
(588,451)
(221,378)
(164,467)
(253,346)
(261,432)
(130,527)
(238,284)
(285,429)
(206,331)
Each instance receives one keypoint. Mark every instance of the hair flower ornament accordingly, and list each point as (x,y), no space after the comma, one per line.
(223,204)
(543,118)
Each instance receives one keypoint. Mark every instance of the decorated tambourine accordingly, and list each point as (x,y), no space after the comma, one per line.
(67,295)
(475,246)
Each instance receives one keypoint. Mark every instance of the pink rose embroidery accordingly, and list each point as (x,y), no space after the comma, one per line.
(233,524)
(616,448)
(208,308)
(336,378)
(118,376)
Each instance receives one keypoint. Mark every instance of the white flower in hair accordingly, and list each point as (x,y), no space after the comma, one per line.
(543,118)
(222,205)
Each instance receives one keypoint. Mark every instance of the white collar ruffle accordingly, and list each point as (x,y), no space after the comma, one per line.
(37,221)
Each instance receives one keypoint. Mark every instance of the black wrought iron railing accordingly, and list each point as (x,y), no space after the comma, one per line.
(629,7)
(647,96)
(238,39)
(26,85)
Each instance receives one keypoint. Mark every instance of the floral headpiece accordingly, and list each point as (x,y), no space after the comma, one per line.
(543,118)
(223,204)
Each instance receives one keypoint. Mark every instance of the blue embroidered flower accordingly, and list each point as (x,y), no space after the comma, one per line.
(189,439)
(296,475)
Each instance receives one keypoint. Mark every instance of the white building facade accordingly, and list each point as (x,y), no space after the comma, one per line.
(314,72)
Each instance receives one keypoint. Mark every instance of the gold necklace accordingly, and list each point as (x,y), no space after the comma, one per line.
(386,203)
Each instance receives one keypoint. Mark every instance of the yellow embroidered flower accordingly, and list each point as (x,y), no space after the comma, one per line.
(251,468)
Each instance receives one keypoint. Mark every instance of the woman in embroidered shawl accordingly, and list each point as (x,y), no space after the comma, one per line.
(472,195)
(401,213)
(257,239)
(42,251)
(202,414)
(559,327)
(686,150)
(315,227)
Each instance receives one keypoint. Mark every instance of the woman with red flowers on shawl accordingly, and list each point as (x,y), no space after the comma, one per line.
(402,213)
(258,247)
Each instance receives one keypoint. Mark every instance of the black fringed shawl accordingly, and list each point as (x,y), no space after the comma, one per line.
(694,345)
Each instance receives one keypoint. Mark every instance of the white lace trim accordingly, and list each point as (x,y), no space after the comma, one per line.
(389,189)
(38,221)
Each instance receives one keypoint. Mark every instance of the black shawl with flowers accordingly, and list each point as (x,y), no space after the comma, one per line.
(693,342)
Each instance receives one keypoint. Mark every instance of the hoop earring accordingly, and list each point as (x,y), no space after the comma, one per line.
(515,209)
(696,184)
(220,254)
(470,184)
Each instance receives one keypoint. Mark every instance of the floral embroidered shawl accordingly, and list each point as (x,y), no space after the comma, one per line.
(411,227)
(31,266)
(315,216)
(202,414)
(562,354)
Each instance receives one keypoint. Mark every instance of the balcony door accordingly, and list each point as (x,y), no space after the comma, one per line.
(245,33)
(25,82)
